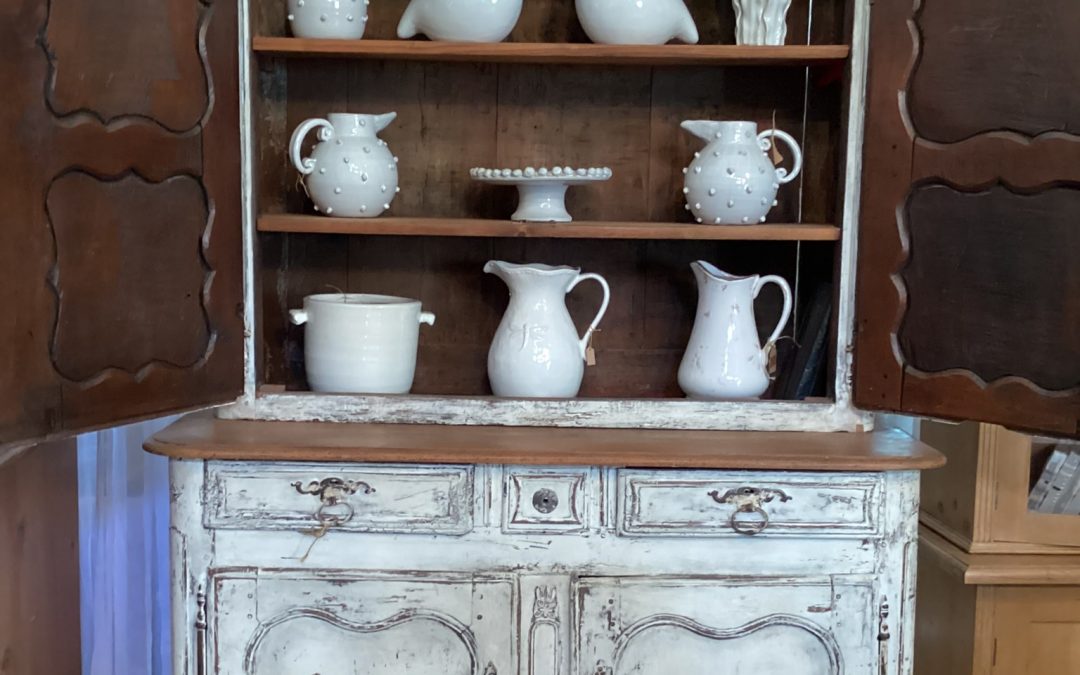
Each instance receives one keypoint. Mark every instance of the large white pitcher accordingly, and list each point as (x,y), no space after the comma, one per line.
(725,359)
(536,351)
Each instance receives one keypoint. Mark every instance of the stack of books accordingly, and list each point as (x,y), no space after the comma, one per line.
(1058,487)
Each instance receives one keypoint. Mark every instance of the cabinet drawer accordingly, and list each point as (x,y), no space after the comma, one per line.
(744,503)
(545,500)
(292,496)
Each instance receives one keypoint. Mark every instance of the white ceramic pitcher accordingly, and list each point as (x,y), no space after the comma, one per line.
(351,172)
(732,181)
(536,351)
(725,359)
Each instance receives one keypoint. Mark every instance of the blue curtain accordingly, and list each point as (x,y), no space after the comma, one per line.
(124,552)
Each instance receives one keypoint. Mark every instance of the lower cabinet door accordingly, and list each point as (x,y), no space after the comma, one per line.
(661,626)
(303,623)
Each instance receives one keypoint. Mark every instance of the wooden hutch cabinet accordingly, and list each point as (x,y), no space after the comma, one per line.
(156,237)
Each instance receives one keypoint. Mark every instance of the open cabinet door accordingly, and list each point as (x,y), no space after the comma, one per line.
(121,254)
(968,289)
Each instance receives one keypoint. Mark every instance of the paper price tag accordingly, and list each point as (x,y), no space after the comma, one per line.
(777,157)
(770,358)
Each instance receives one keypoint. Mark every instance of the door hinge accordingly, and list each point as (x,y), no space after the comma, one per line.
(200,631)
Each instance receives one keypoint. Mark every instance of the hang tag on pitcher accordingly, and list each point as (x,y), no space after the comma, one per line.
(590,353)
(777,158)
(770,359)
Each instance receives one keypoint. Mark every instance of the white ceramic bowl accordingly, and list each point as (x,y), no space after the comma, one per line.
(328,19)
(360,343)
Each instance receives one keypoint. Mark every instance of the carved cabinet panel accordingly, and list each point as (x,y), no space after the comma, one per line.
(337,623)
(968,297)
(635,626)
(121,252)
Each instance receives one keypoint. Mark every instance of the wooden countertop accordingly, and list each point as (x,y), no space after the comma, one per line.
(203,436)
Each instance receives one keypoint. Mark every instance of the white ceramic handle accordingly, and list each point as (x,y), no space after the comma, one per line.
(782,174)
(298,316)
(584,342)
(428,318)
(306,166)
(786,290)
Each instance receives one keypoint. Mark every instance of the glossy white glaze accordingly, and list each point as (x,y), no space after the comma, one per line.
(724,359)
(328,19)
(541,192)
(732,181)
(460,20)
(350,173)
(636,22)
(760,22)
(359,343)
(536,352)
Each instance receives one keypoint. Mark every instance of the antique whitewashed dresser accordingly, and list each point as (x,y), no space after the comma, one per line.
(157,237)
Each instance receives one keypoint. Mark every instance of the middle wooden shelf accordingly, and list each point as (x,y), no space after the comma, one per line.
(479,227)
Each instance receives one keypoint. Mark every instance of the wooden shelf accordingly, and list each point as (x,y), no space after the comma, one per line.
(569,53)
(478,227)
(202,436)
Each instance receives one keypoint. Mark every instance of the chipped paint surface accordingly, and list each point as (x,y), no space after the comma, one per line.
(619,571)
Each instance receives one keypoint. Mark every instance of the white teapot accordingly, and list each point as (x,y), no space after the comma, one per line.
(350,173)
(636,22)
(460,20)
(733,181)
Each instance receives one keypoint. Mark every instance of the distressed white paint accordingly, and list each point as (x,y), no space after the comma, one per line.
(492,598)
(578,412)
(609,413)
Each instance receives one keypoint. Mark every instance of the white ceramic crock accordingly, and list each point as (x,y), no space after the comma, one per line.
(360,343)
(328,19)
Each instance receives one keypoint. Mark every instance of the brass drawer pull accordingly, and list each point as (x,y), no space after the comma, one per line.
(333,508)
(748,500)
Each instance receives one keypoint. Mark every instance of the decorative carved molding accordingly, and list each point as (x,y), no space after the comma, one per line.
(121,306)
(545,617)
(824,637)
(459,630)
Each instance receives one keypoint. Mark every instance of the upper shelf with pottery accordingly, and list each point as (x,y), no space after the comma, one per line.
(621,32)
(563,53)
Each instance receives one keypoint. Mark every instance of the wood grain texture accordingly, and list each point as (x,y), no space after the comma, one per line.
(896,243)
(39,562)
(579,229)
(578,54)
(202,436)
(159,125)
(946,607)
(962,88)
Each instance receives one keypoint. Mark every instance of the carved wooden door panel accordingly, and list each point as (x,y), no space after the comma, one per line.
(635,626)
(121,251)
(285,623)
(968,302)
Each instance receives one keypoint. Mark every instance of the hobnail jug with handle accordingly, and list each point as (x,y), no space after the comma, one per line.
(351,173)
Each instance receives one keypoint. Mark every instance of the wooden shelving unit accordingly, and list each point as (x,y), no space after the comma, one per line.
(565,53)
(477,227)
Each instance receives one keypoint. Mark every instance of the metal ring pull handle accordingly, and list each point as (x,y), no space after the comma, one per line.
(333,510)
(748,500)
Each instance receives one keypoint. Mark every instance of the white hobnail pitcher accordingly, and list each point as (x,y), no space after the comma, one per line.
(724,358)
(732,181)
(351,172)
(536,351)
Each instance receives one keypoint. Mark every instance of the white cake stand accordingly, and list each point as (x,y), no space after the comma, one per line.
(541,192)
